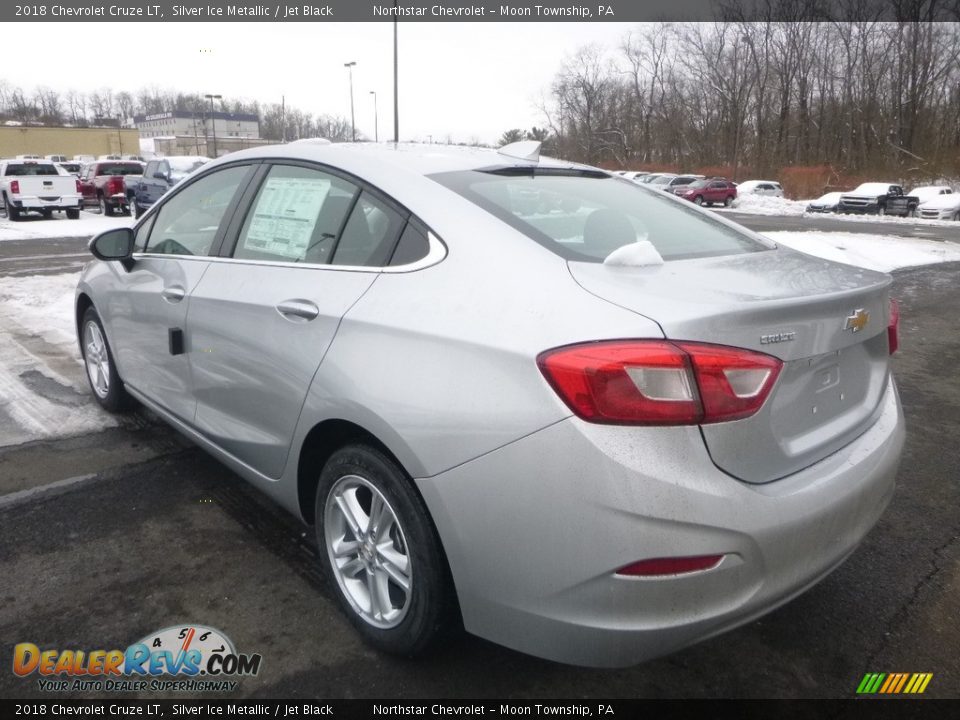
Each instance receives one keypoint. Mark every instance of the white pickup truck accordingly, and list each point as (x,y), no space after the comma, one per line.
(37,186)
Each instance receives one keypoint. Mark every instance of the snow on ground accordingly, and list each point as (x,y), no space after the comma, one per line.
(34,227)
(874,252)
(43,385)
(765,205)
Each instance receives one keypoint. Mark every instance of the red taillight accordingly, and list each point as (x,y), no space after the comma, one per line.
(15,187)
(670,566)
(893,328)
(656,382)
(115,186)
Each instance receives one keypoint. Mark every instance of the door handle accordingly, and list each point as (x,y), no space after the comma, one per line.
(173,294)
(298,310)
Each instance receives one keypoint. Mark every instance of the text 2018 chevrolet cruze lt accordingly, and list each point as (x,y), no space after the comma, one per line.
(592,421)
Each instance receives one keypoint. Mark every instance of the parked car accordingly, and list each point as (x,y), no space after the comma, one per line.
(37,186)
(648,179)
(825,203)
(70,167)
(57,158)
(677,182)
(159,176)
(634,175)
(875,198)
(103,184)
(709,192)
(769,188)
(929,192)
(589,437)
(941,207)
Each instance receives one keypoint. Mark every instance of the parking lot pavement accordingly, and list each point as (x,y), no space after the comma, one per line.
(173,538)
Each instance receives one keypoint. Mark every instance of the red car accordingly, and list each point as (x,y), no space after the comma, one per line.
(708,192)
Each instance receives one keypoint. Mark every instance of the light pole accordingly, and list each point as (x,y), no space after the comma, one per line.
(396,84)
(376,130)
(353,126)
(213,122)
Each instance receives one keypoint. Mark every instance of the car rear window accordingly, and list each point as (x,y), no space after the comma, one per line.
(26,169)
(587,216)
(120,169)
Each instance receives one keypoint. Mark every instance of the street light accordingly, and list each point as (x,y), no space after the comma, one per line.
(213,121)
(376,132)
(353,127)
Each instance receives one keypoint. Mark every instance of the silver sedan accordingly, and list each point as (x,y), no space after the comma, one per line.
(582,418)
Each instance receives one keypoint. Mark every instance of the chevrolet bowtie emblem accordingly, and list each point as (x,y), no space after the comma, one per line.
(858,321)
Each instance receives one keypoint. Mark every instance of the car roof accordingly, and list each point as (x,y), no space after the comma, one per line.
(382,160)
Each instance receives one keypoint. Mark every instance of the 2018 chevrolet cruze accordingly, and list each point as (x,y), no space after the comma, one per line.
(588,420)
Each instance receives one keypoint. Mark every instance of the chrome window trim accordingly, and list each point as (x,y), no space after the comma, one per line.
(436,253)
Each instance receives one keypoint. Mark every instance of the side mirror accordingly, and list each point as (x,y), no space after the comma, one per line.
(116,244)
(158,175)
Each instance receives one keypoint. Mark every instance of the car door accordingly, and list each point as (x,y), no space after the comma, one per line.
(87,188)
(309,246)
(148,306)
(715,192)
(143,189)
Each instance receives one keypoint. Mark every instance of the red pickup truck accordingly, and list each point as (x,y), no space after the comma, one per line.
(104,184)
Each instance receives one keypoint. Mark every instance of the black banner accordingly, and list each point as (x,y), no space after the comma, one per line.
(471,11)
(366,709)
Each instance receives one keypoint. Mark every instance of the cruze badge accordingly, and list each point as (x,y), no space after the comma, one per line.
(777,338)
(858,321)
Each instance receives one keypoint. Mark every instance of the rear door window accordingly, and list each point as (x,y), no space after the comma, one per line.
(370,235)
(297,216)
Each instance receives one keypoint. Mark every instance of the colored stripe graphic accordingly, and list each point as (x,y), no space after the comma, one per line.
(894,683)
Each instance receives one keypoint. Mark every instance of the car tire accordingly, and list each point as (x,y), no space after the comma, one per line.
(698,200)
(727,201)
(101,369)
(73,213)
(360,486)
(11,212)
(105,209)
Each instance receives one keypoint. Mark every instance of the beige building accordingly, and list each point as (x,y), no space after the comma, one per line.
(29,140)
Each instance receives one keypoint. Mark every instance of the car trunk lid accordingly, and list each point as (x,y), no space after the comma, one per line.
(826,321)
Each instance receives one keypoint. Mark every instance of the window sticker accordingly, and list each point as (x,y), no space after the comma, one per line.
(285,216)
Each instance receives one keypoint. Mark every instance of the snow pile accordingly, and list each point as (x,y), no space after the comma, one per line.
(635,254)
(43,385)
(766,205)
(874,252)
(34,227)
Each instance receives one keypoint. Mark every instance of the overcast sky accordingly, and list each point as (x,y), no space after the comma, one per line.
(466,80)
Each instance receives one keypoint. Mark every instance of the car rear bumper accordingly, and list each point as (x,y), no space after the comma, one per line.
(535,531)
(34,202)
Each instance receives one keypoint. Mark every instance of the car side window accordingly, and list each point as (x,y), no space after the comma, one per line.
(143,232)
(371,233)
(187,223)
(297,215)
(164,169)
(150,169)
(413,246)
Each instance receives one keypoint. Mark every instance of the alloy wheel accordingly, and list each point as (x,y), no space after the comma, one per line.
(368,552)
(96,359)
